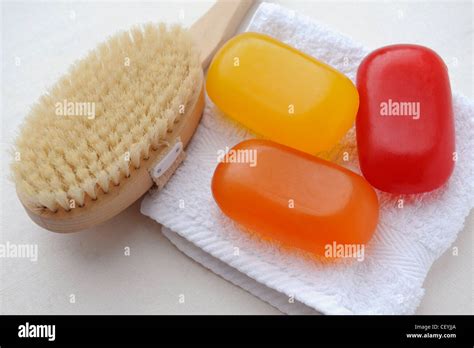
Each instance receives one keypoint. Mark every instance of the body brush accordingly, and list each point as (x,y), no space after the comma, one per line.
(117,122)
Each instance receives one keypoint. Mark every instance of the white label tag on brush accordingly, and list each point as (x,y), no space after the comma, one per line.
(167,161)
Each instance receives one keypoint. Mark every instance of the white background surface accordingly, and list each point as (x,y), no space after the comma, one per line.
(91,265)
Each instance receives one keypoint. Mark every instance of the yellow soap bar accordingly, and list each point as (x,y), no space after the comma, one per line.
(281,93)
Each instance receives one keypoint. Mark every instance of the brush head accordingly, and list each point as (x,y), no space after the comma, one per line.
(105,116)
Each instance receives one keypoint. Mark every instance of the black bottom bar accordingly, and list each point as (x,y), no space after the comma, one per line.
(292,331)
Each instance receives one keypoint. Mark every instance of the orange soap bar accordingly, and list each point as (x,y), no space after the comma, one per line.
(293,198)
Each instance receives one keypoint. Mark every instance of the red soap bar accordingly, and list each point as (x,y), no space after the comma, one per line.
(405,126)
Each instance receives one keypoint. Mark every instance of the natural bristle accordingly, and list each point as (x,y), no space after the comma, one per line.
(107,114)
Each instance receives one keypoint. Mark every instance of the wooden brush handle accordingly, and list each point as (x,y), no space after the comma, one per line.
(217,26)
(210,32)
